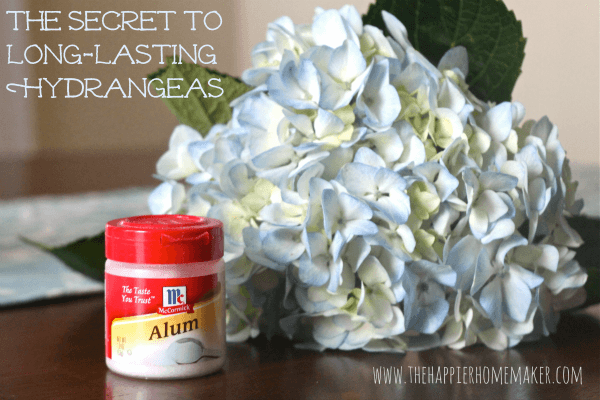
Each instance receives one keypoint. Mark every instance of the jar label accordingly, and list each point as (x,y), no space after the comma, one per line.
(161,322)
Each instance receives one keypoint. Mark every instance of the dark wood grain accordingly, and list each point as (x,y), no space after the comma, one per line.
(55,351)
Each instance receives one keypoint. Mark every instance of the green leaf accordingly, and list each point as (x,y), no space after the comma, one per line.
(199,110)
(490,32)
(85,255)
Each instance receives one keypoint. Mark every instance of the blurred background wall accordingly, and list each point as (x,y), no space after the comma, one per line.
(68,145)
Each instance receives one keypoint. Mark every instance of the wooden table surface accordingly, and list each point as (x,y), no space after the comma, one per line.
(56,351)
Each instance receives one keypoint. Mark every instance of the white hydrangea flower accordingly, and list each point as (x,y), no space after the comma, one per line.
(376,200)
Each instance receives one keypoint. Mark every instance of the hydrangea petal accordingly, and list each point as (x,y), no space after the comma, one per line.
(456,57)
(497,121)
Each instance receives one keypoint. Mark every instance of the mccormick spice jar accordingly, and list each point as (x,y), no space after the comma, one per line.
(165,296)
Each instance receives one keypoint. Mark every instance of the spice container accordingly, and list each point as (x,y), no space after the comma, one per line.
(165,296)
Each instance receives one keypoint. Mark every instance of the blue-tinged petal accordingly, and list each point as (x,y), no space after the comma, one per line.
(338,157)
(388,144)
(308,305)
(308,161)
(226,149)
(497,121)
(327,123)
(392,264)
(498,182)
(444,275)
(316,188)
(274,157)
(408,238)
(463,259)
(412,78)
(328,29)
(389,181)
(451,97)
(414,150)
(359,227)
(356,251)
(378,100)
(448,127)
(478,221)
(235,179)
(549,258)
(371,272)
(352,17)
(443,220)
(198,178)
(358,178)
(353,208)
(501,229)
(570,276)
(507,245)
(495,157)
(314,272)
(529,156)
(253,249)
(335,275)
(166,198)
(492,204)
(543,128)
(471,180)
(357,135)
(509,203)
(396,29)
(377,308)
(283,245)
(327,333)
(517,296)
(277,176)
(300,121)
(334,95)
(414,56)
(396,209)
(198,150)
(445,183)
(337,245)
(483,271)
(358,337)
(183,134)
(365,155)
(257,76)
(531,279)
(399,292)
(332,210)
(176,163)
(283,214)
(456,57)
(303,185)
(308,80)
(378,42)
(197,205)
(425,310)
(537,194)
(518,113)
(491,301)
(307,147)
(347,62)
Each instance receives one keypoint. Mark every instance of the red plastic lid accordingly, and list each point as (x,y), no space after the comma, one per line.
(164,239)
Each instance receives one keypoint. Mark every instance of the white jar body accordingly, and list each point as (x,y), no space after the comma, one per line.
(165,321)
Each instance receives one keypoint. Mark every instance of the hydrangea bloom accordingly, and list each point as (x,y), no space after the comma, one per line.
(371,201)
